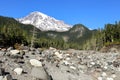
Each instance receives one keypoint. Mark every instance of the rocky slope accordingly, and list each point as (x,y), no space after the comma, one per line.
(52,64)
(44,22)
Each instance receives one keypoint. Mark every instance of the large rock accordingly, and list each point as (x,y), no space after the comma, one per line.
(35,62)
(39,73)
(14,52)
(18,71)
(62,74)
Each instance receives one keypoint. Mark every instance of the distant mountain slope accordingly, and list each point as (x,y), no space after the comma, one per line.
(76,35)
(44,22)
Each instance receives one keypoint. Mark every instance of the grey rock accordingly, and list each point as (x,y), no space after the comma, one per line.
(2,71)
(35,62)
(1,77)
(18,71)
(39,73)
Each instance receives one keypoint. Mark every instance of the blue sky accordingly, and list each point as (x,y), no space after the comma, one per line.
(92,13)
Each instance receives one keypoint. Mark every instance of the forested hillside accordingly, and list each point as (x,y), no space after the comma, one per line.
(12,32)
(108,36)
(78,37)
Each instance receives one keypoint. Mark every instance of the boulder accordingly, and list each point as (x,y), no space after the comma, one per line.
(14,52)
(39,73)
(35,62)
(18,71)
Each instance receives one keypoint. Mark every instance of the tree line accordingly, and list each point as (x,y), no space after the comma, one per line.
(109,35)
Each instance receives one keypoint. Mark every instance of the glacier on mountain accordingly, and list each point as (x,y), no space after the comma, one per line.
(44,22)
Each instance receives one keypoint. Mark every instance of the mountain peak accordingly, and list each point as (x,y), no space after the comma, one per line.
(37,13)
(44,22)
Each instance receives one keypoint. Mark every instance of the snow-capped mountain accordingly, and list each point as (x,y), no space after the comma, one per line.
(44,22)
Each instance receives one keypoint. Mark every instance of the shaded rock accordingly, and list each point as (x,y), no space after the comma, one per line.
(39,73)
(8,77)
(116,64)
(18,71)
(35,62)
(2,71)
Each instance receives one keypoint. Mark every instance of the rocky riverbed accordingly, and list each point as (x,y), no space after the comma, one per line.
(54,64)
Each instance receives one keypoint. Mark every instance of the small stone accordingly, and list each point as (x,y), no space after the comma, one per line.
(93,63)
(116,64)
(100,78)
(18,71)
(113,76)
(3,50)
(35,62)
(37,51)
(66,62)
(105,67)
(72,67)
(32,49)
(110,79)
(104,74)
(58,55)
(67,59)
